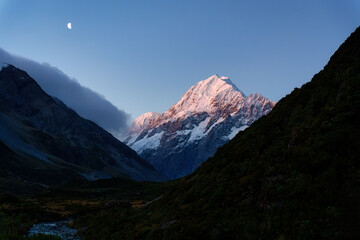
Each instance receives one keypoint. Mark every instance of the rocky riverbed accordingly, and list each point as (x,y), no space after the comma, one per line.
(60,229)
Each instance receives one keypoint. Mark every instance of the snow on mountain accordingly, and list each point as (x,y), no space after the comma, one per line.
(144,120)
(234,131)
(148,142)
(210,113)
(206,96)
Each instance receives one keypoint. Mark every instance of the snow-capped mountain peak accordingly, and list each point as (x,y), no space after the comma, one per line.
(206,96)
(144,120)
(215,84)
(210,113)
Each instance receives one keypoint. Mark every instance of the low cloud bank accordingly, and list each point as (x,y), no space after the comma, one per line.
(86,102)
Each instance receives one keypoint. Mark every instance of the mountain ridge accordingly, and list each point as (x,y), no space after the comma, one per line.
(43,129)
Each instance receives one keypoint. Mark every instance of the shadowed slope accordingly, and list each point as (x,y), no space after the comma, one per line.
(45,134)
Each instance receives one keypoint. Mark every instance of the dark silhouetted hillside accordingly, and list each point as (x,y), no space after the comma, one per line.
(293,174)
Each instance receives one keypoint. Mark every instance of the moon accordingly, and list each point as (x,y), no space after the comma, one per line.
(69,25)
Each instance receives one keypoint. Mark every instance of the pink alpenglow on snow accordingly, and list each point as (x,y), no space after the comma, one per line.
(210,113)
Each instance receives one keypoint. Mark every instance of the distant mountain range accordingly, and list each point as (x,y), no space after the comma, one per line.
(44,141)
(210,113)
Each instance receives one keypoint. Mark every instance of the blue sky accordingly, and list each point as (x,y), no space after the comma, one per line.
(143,55)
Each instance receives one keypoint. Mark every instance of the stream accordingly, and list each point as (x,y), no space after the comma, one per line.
(60,229)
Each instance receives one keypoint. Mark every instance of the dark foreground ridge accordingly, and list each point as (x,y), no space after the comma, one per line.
(293,174)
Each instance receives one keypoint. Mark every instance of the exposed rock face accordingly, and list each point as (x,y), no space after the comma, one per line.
(210,113)
(43,140)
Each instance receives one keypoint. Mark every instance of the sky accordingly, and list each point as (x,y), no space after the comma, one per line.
(142,56)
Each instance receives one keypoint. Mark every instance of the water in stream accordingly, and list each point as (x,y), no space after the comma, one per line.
(60,229)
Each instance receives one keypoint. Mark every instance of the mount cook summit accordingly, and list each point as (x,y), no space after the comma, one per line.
(210,113)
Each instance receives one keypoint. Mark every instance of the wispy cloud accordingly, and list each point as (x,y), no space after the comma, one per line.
(86,102)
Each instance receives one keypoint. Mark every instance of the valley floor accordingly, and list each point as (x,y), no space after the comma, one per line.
(18,214)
